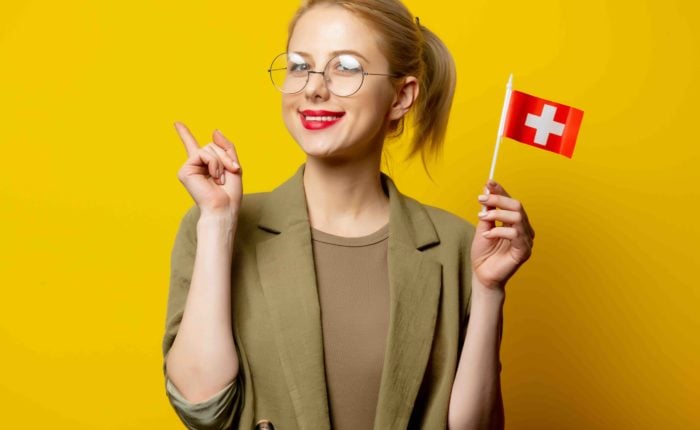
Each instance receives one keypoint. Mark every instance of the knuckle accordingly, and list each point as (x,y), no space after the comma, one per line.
(203,153)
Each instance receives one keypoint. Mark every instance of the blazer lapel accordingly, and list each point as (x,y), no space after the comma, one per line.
(288,278)
(287,274)
(415,283)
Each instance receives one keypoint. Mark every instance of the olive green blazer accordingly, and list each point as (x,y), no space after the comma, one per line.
(277,318)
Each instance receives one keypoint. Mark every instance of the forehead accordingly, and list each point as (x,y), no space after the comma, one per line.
(325,30)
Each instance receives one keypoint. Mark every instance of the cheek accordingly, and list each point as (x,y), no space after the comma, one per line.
(374,110)
(286,104)
(289,110)
(381,98)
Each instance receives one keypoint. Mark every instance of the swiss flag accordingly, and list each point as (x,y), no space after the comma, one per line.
(542,123)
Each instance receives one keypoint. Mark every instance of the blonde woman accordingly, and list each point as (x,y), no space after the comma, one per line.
(336,301)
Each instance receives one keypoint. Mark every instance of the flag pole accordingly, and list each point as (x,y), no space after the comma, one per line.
(501,125)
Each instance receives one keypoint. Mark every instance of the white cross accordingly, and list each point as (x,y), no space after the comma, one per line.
(545,124)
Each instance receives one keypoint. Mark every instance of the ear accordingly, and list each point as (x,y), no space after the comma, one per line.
(406,95)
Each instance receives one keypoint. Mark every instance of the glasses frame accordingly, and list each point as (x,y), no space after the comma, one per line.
(323,73)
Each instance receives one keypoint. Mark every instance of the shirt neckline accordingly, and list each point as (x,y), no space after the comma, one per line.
(369,239)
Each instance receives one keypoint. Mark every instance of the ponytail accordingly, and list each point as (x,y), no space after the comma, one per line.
(432,110)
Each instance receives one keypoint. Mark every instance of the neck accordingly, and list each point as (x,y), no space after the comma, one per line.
(345,198)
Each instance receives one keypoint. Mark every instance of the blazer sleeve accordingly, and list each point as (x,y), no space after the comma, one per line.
(218,411)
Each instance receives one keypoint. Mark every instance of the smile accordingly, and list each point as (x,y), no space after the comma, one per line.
(315,120)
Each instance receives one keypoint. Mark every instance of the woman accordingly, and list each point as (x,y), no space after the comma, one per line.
(335,300)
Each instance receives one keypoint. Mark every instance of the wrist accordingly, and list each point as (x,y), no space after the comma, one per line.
(495,294)
(224,220)
(217,229)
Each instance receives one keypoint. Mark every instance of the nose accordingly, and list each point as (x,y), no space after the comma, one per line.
(317,86)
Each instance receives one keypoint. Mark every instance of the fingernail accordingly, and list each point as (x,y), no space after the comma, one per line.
(482,198)
(482,214)
(236,165)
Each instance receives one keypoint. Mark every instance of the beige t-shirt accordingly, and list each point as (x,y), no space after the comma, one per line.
(353,287)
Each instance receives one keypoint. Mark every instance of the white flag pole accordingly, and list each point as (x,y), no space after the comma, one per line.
(501,125)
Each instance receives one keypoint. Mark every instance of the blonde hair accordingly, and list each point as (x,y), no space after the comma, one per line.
(411,49)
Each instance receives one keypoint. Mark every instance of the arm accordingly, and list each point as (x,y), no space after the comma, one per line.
(476,401)
(496,253)
(200,361)
(203,359)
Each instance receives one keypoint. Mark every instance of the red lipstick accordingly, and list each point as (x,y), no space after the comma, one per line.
(319,119)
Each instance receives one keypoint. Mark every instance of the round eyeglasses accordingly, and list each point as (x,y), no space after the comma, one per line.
(343,74)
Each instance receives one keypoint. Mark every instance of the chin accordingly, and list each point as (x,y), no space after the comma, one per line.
(331,144)
(320,148)
(315,144)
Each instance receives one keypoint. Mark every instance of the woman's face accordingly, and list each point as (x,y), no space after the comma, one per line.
(360,130)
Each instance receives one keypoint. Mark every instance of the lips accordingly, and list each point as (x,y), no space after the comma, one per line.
(321,113)
(319,119)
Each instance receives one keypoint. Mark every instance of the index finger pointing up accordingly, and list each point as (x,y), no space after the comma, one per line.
(191,144)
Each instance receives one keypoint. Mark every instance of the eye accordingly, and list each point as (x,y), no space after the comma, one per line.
(296,63)
(298,67)
(348,63)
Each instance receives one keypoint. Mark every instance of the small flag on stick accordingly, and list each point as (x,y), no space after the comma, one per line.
(537,122)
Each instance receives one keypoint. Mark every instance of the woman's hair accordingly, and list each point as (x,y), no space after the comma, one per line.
(411,49)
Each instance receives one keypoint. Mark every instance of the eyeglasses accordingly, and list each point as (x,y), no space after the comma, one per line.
(343,74)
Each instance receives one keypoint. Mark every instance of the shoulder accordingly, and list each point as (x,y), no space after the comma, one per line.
(251,207)
(448,220)
(448,224)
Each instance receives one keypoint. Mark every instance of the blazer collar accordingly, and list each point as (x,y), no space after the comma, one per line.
(287,274)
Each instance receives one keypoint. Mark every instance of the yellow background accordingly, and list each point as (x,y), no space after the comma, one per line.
(601,325)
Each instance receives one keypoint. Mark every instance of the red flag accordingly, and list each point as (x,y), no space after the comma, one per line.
(542,123)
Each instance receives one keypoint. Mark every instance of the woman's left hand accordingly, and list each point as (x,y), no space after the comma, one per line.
(498,251)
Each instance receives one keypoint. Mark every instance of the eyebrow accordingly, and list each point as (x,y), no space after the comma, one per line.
(337,52)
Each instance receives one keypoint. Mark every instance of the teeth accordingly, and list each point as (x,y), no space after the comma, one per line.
(321,118)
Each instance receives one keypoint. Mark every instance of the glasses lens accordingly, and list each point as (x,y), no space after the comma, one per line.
(289,72)
(344,75)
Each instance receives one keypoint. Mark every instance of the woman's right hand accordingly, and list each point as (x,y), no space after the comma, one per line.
(212,174)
